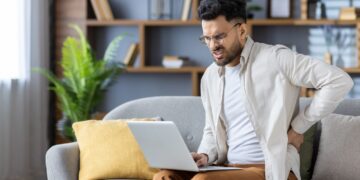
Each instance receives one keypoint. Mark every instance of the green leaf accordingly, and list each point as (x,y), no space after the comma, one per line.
(110,53)
(84,79)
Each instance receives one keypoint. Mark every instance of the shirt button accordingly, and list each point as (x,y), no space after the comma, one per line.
(189,137)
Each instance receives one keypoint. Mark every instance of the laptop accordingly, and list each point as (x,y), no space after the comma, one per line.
(164,147)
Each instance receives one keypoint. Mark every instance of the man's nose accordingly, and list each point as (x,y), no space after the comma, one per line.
(213,44)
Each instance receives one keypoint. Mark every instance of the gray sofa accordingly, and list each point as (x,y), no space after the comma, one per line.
(62,161)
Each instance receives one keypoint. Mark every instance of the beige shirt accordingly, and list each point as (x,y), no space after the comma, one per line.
(271,78)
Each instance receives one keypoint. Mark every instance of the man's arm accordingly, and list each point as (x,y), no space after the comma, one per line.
(332,85)
(207,145)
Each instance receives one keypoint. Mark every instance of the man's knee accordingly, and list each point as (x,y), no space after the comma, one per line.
(201,176)
(167,175)
(164,175)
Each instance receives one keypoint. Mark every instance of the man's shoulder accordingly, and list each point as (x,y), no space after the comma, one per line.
(267,52)
(211,72)
(259,46)
(211,69)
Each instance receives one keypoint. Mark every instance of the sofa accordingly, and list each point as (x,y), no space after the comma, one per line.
(62,161)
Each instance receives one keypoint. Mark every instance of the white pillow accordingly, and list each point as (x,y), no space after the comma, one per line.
(339,148)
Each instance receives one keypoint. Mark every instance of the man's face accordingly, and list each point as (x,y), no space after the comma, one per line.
(222,39)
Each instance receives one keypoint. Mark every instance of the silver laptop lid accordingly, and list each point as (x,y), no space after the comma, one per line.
(162,145)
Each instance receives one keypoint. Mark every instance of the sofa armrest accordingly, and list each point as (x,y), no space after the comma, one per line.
(62,162)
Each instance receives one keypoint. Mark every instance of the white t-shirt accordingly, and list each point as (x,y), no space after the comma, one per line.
(244,147)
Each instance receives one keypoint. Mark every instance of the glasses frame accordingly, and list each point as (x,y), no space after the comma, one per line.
(219,38)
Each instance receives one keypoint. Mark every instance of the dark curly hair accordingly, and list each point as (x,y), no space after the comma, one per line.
(231,9)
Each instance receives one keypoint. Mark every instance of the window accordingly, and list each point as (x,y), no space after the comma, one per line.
(11,39)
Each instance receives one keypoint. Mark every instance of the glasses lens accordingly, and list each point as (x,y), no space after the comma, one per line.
(202,39)
(217,38)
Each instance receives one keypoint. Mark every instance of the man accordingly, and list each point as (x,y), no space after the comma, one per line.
(250,95)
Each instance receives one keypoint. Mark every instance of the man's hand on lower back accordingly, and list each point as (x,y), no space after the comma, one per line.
(200,159)
(295,139)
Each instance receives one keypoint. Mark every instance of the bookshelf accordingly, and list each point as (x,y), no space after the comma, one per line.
(166,70)
(146,33)
(143,24)
(251,22)
(300,22)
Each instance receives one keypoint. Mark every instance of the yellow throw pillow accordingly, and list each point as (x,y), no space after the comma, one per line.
(108,149)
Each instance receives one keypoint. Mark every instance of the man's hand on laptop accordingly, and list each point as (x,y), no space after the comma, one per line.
(200,159)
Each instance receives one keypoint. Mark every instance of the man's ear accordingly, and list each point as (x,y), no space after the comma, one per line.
(243,31)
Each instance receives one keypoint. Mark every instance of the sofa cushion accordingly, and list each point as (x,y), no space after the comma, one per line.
(338,155)
(109,150)
(306,153)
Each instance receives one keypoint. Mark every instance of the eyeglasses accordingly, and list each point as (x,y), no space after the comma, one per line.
(219,38)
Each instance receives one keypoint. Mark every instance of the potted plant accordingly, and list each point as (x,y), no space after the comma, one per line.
(251,8)
(84,79)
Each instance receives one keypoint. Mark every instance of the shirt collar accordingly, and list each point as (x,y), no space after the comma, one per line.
(244,55)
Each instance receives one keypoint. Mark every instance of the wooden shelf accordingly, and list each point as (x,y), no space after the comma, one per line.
(252,22)
(265,22)
(299,22)
(172,23)
(352,70)
(159,69)
(324,22)
(93,22)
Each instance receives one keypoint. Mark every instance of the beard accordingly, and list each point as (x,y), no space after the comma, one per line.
(230,55)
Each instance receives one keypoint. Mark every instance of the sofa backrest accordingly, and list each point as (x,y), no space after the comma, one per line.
(186,112)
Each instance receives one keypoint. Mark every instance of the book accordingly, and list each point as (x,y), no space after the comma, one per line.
(98,10)
(328,58)
(105,7)
(161,9)
(304,9)
(131,55)
(279,9)
(186,10)
(195,15)
(171,58)
(174,61)
(349,13)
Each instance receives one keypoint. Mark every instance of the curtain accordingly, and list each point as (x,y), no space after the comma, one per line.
(24,99)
